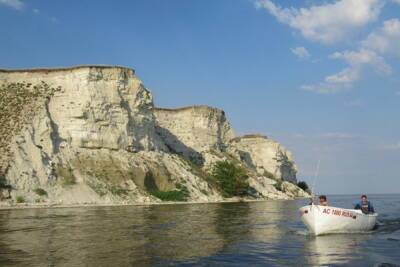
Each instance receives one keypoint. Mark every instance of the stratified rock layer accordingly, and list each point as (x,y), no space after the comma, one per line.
(93,136)
(266,156)
(192,130)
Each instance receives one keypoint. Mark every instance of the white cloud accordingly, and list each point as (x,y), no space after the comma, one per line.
(355,103)
(363,57)
(358,62)
(344,77)
(338,135)
(36,11)
(300,52)
(327,23)
(16,4)
(392,147)
(327,135)
(396,1)
(386,40)
(324,88)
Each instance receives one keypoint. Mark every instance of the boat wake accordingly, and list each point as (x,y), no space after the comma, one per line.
(395,236)
(387,226)
(300,232)
(389,229)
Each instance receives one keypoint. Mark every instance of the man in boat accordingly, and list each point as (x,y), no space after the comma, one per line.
(323,201)
(365,206)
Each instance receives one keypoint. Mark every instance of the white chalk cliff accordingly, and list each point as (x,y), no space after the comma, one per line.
(91,134)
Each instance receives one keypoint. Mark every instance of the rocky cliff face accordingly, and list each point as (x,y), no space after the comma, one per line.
(190,131)
(91,134)
(204,134)
(265,156)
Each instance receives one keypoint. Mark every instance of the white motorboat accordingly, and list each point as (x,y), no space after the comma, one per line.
(327,220)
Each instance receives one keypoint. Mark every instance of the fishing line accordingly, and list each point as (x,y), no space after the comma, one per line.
(315,178)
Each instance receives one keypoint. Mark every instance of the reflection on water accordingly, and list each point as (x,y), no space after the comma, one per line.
(230,234)
(334,249)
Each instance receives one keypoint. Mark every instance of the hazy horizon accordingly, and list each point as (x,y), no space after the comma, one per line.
(327,89)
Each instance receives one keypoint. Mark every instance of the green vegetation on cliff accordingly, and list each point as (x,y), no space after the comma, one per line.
(231,178)
(19,102)
(66,175)
(3,182)
(40,191)
(20,199)
(303,185)
(174,195)
(181,193)
(278,185)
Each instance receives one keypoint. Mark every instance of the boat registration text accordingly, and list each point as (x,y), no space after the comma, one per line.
(336,212)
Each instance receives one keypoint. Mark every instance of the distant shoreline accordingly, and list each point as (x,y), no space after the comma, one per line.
(369,194)
(57,206)
(51,206)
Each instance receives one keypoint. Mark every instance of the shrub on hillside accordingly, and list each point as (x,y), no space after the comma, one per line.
(303,185)
(231,178)
(66,175)
(40,191)
(278,185)
(269,175)
(3,183)
(20,199)
(175,195)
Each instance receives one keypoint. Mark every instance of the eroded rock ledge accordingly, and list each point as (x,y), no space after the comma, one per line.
(94,136)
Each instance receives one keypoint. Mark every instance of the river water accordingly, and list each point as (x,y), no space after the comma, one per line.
(266,233)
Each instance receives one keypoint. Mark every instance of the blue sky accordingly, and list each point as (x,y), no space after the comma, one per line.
(321,77)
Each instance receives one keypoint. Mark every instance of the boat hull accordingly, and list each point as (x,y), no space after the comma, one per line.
(328,220)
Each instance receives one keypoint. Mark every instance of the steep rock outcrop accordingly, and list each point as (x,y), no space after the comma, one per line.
(91,134)
(204,135)
(189,131)
(97,107)
(265,156)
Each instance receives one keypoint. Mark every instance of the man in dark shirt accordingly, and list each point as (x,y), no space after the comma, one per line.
(323,200)
(365,206)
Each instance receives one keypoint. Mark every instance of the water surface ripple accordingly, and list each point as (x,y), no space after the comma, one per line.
(231,234)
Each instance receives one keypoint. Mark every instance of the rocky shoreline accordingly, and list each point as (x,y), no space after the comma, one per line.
(84,205)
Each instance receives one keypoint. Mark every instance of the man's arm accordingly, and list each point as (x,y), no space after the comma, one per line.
(371,208)
(357,207)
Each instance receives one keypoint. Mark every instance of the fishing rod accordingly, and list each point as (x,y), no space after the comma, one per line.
(315,179)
